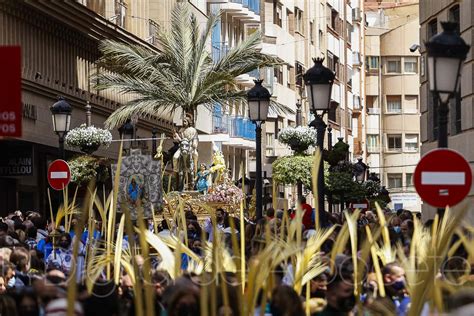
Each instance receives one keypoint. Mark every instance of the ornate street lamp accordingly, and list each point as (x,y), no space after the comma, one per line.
(318,81)
(259,101)
(61,115)
(127,132)
(360,170)
(446,53)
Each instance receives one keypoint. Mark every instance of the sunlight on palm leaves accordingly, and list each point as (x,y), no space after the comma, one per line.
(182,75)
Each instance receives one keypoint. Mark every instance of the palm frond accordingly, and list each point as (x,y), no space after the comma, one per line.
(182,75)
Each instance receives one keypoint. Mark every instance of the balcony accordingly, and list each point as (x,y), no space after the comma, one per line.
(218,51)
(241,127)
(234,126)
(247,11)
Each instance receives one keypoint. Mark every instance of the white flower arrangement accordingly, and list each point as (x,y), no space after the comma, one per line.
(88,136)
(298,138)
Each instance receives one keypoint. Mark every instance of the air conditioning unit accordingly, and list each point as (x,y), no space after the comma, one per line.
(356,16)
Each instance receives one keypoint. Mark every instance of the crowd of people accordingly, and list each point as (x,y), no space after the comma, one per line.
(36,267)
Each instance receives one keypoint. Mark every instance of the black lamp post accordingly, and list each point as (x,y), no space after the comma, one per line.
(299,118)
(299,122)
(318,82)
(360,170)
(446,53)
(127,131)
(259,101)
(61,115)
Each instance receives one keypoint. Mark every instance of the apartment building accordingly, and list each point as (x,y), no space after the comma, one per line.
(461,114)
(392,100)
(295,32)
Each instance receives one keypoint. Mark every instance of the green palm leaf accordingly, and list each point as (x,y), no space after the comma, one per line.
(182,75)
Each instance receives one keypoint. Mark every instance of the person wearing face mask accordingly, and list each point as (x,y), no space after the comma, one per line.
(208,226)
(395,287)
(61,258)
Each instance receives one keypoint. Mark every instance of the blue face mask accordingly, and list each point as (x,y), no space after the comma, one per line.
(397,229)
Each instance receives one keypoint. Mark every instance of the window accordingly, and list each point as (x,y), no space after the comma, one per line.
(289,18)
(120,12)
(333,63)
(372,143)
(394,104)
(410,104)
(269,143)
(409,180)
(334,17)
(288,76)
(311,32)
(411,142)
(371,102)
(299,74)
(348,119)
(394,142)
(453,16)
(277,13)
(278,74)
(333,113)
(432,28)
(393,66)
(395,180)
(349,30)
(411,65)
(372,62)
(349,77)
(152,31)
(299,21)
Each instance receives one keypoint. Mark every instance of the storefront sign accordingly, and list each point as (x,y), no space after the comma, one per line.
(16,161)
(10,91)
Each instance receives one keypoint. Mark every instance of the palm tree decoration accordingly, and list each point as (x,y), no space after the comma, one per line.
(182,75)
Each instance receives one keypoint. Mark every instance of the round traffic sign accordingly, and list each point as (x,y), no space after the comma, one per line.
(59,174)
(443,177)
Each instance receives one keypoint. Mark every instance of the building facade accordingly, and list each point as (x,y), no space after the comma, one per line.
(461,109)
(59,42)
(392,100)
(296,32)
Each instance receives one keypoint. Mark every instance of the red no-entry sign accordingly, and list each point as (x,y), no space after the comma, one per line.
(443,178)
(59,174)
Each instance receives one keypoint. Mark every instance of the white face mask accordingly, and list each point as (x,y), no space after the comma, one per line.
(11,282)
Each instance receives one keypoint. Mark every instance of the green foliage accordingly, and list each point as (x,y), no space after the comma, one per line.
(182,75)
(291,169)
(338,153)
(86,168)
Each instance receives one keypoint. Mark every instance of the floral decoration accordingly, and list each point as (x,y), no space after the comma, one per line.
(88,137)
(298,138)
(87,168)
(225,193)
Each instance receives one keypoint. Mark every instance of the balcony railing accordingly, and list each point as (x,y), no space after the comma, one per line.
(219,51)
(241,127)
(235,126)
(252,5)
